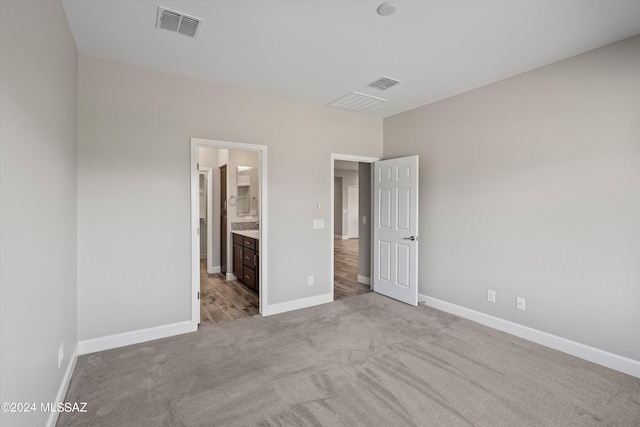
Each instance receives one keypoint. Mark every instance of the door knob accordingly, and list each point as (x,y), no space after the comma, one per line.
(412,238)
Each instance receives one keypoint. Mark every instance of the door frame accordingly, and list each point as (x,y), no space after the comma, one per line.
(208,173)
(349,158)
(195,220)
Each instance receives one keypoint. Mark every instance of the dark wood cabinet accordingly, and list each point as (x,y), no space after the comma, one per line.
(246,261)
(238,267)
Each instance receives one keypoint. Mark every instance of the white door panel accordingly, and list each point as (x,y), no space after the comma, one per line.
(384,208)
(403,252)
(384,267)
(395,231)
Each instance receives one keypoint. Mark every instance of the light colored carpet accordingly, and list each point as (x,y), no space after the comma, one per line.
(361,361)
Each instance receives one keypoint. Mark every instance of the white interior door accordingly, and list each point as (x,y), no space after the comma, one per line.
(395,231)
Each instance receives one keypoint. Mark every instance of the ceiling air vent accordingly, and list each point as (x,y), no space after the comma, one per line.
(384,83)
(177,22)
(356,101)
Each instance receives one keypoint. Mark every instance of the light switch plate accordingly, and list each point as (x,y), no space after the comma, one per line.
(318,224)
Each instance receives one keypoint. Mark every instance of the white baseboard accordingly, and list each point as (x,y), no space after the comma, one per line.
(231,276)
(64,386)
(215,270)
(582,351)
(133,337)
(341,237)
(364,280)
(283,307)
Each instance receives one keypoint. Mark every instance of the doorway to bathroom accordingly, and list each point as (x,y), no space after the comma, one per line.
(228,213)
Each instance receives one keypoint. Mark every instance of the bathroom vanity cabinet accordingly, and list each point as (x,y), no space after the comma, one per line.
(246,258)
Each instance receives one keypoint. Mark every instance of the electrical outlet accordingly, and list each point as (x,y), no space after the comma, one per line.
(310,280)
(520,303)
(491,295)
(60,354)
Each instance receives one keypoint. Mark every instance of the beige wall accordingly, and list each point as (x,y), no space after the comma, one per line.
(38,109)
(531,187)
(134,136)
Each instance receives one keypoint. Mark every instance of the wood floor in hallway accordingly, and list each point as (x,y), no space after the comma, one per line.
(223,300)
(345,269)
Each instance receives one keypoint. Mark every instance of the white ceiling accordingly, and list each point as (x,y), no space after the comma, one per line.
(320,50)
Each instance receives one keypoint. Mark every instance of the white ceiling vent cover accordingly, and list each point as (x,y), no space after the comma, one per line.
(384,83)
(356,101)
(178,22)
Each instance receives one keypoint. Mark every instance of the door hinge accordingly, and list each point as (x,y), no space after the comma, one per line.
(198,231)
(198,294)
(198,166)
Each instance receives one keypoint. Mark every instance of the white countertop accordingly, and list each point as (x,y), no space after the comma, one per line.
(254,234)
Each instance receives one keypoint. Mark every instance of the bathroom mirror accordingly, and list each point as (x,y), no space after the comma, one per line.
(244,178)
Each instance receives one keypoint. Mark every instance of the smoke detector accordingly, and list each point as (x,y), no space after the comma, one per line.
(386,9)
(178,22)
